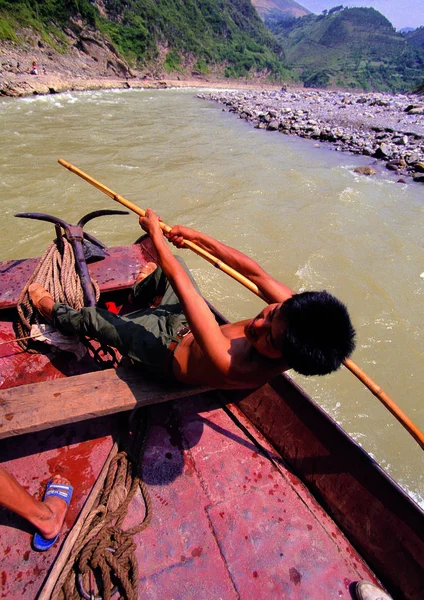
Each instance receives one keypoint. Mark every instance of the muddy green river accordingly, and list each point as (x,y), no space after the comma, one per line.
(297,208)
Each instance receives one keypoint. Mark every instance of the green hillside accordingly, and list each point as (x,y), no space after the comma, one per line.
(416,37)
(351,47)
(225,36)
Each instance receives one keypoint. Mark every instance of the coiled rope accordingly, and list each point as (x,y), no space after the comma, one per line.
(56,273)
(103,559)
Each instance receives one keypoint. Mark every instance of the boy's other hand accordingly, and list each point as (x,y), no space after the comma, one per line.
(178,234)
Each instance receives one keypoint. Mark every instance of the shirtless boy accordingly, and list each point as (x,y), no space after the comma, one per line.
(309,332)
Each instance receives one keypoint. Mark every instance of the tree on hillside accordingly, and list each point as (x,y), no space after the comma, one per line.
(335,9)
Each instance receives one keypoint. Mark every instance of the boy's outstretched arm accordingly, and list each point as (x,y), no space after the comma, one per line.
(202,322)
(270,287)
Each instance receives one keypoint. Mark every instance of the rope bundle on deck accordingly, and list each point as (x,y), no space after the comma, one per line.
(55,272)
(103,559)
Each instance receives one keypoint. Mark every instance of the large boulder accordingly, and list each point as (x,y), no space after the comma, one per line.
(273,125)
(383,151)
(366,170)
(415,109)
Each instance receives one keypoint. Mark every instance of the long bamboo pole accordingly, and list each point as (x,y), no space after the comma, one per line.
(397,412)
(139,211)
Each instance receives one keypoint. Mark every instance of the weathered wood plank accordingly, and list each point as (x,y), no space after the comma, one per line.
(39,406)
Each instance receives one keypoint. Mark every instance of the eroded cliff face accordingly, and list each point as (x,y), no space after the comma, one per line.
(80,50)
(82,54)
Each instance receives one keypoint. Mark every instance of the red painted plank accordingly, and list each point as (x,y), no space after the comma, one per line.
(20,368)
(118,270)
(201,577)
(275,548)
(77,453)
(222,511)
(385,525)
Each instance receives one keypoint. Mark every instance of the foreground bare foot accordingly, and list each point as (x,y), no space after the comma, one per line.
(54,508)
(41,300)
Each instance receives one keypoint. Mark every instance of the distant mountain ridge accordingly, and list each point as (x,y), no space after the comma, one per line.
(279,9)
(352,47)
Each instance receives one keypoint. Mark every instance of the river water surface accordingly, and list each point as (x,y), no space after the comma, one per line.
(296,208)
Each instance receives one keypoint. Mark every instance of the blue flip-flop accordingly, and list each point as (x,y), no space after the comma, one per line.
(62,491)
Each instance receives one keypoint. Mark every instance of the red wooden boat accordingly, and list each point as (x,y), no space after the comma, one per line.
(254,494)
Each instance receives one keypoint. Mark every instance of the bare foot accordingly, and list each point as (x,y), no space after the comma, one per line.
(54,510)
(145,271)
(41,300)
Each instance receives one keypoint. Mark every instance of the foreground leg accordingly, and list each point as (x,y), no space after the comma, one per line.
(137,337)
(93,322)
(46,516)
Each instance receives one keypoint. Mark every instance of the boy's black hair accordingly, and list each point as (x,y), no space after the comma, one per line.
(319,335)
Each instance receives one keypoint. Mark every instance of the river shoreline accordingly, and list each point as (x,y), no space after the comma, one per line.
(386,127)
(17,85)
(92,63)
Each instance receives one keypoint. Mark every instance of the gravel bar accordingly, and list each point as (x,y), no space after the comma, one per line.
(387,127)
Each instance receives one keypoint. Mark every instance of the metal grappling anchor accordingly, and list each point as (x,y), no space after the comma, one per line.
(86,247)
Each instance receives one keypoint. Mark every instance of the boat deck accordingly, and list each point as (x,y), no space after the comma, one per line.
(229,519)
(77,452)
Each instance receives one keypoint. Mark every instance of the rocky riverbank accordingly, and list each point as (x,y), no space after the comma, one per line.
(387,127)
(44,71)
(18,85)
(90,63)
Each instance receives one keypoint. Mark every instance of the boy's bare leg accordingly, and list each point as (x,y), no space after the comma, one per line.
(46,516)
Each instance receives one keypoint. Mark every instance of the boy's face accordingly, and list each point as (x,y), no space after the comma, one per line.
(264,332)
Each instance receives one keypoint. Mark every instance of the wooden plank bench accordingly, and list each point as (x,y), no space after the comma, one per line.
(39,406)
